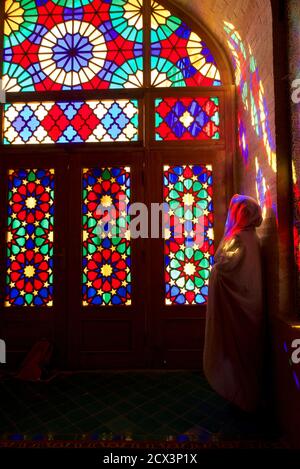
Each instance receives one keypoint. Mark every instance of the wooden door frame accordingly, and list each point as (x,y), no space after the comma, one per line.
(159,313)
(79,316)
(47,322)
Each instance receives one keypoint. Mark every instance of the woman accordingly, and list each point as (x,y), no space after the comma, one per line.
(233,352)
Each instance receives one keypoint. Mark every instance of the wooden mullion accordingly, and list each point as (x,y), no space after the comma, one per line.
(147,42)
(147,73)
(3,230)
(211,91)
(2,16)
(82,95)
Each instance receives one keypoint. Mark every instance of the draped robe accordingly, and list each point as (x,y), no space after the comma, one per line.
(234,335)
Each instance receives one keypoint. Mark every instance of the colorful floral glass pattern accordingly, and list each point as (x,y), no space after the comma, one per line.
(73,44)
(179,57)
(106,239)
(71,122)
(187,119)
(30,238)
(188,195)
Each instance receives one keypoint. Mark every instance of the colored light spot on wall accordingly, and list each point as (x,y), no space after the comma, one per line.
(263,191)
(296,190)
(296,379)
(243,141)
(251,91)
(239,56)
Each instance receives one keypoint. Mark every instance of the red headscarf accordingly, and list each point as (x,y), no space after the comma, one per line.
(244,214)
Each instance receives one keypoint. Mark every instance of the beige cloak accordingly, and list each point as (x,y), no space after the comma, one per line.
(233,352)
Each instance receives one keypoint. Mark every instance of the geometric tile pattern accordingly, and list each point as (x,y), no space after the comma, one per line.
(71,122)
(187,119)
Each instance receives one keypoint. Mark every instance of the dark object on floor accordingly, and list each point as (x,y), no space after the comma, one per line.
(37,361)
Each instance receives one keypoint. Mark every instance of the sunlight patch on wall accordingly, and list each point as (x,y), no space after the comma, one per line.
(263,192)
(296,189)
(243,140)
(251,90)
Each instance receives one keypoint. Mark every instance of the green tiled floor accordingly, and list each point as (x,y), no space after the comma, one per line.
(143,405)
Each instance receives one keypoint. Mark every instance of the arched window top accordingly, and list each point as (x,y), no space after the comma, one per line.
(61,45)
(179,57)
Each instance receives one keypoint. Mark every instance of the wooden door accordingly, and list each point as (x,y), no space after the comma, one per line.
(104,335)
(32,225)
(177,323)
(145,332)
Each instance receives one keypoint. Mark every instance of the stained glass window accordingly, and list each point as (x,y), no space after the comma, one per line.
(71,122)
(106,237)
(29,279)
(187,119)
(73,44)
(179,57)
(80,46)
(98,44)
(189,240)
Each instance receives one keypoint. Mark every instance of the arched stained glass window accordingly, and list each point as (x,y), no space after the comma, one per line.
(73,45)
(52,47)
(99,44)
(179,57)
(111,106)
(107,71)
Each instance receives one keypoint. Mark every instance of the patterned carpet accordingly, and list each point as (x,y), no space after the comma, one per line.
(125,406)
